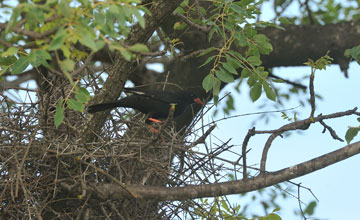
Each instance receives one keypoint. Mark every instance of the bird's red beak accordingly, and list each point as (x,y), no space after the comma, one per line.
(198,101)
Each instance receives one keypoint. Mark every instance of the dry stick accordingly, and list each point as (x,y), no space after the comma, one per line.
(22,163)
(85,64)
(112,178)
(299,201)
(202,139)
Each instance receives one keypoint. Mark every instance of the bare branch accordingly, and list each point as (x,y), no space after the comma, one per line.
(302,124)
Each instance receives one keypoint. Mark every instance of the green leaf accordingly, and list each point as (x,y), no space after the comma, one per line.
(99,44)
(241,39)
(254,60)
(355,53)
(20,65)
(58,40)
(245,73)
(180,25)
(67,65)
(38,14)
(208,82)
(65,9)
(140,18)
(208,60)
(263,43)
(7,61)
(138,48)
(87,40)
(284,20)
(252,80)
(310,209)
(10,52)
(269,91)
(13,19)
(351,133)
(38,57)
(213,30)
(82,95)
(273,216)
(216,87)
(59,114)
(277,80)
(224,76)
(99,18)
(234,62)
(250,31)
(75,105)
(125,53)
(209,50)
(255,92)
(238,9)
(230,68)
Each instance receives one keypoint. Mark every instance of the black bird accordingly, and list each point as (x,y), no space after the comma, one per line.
(156,104)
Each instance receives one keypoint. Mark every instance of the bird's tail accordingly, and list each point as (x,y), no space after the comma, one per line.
(102,107)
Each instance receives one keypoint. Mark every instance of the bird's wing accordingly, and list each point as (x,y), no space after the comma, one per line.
(166,97)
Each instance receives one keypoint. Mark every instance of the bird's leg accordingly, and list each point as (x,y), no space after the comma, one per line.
(154,120)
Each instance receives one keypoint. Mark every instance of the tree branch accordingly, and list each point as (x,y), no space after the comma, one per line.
(112,191)
(302,124)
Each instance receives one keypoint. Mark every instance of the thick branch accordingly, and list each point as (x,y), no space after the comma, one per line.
(112,191)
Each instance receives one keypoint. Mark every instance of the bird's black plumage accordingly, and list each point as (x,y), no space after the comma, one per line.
(154,103)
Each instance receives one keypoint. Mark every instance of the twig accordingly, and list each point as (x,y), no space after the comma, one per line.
(111,177)
(192,24)
(191,55)
(23,161)
(331,131)
(298,85)
(85,64)
(309,12)
(312,93)
(203,137)
(197,5)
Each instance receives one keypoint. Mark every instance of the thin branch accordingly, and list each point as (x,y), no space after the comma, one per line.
(298,85)
(203,137)
(123,186)
(85,64)
(302,124)
(332,131)
(312,93)
(192,24)
(250,133)
(309,12)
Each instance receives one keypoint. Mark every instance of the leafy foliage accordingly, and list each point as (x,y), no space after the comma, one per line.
(353,53)
(230,22)
(62,28)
